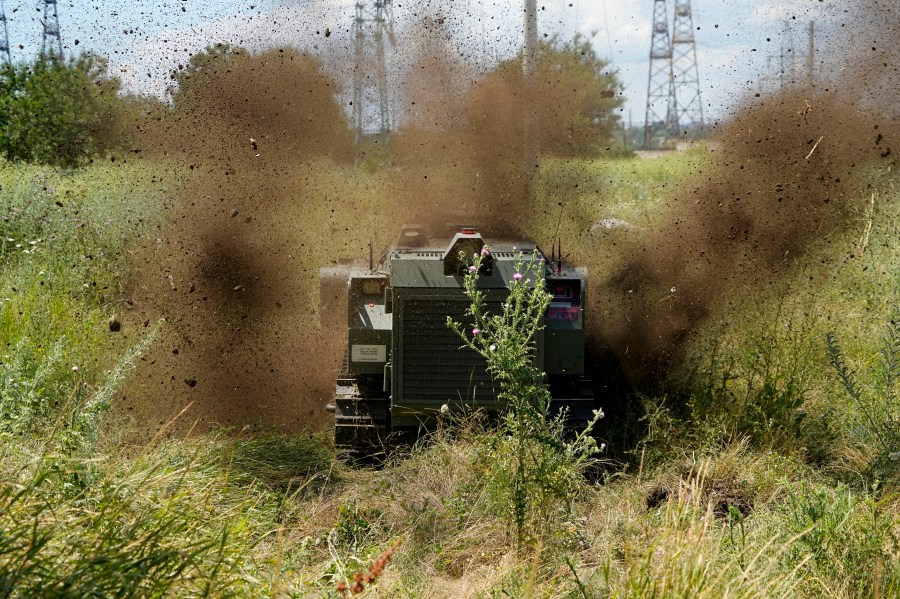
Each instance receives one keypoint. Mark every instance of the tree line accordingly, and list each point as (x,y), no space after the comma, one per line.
(67,113)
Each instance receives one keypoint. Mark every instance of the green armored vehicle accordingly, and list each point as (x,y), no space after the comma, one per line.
(403,364)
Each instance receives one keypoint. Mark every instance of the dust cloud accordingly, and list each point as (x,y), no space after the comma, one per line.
(231,270)
(270,194)
(787,170)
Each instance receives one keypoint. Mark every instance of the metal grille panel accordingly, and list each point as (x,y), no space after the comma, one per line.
(435,369)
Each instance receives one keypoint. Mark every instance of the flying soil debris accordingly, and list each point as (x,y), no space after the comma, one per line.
(235,269)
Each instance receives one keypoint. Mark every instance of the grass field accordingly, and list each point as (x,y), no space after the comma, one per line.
(763,473)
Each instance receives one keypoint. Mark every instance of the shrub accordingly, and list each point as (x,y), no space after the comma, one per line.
(754,384)
(58,113)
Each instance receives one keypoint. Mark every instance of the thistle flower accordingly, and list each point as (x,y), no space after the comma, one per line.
(472,268)
(485,251)
(517,276)
(476,331)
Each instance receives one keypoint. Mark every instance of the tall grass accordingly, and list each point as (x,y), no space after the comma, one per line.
(765,486)
(63,256)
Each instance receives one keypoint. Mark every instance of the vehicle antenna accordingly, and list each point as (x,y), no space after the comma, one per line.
(559,258)
(371,258)
(554,248)
(558,221)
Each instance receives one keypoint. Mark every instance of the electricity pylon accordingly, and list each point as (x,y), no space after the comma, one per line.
(788,65)
(4,41)
(51,46)
(373,28)
(661,115)
(685,72)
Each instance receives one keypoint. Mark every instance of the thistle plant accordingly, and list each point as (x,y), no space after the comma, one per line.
(878,401)
(535,466)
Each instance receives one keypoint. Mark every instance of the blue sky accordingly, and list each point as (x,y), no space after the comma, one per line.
(736,39)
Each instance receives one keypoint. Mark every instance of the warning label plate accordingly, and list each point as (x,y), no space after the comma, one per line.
(368,353)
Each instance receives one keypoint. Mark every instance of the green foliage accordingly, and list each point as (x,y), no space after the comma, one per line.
(841,536)
(61,268)
(576,96)
(877,398)
(288,464)
(534,469)
(754,386)
(72,529)
(29,386)
(58,113)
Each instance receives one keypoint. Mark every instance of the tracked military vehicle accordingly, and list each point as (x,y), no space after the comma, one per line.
(403,365)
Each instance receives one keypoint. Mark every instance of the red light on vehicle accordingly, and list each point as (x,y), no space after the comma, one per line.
(468,231)
(562,291)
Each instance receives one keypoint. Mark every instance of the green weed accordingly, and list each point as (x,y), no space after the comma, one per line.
(877,398)
(840,536)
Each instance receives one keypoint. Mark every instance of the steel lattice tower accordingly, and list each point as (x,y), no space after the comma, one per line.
(52,42)
(372,29)
(788,55)
(685,72)
(661,113)
(4,41)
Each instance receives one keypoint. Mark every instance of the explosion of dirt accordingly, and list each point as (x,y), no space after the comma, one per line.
(232,272)
(786,172)
(231,269)
(784,177)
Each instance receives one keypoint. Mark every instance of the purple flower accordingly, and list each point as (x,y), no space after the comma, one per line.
(476,331)
(517,277)
(484,251)
(472,268)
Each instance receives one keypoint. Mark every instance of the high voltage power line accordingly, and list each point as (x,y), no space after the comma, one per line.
(51,45)
(4,41)
(673,88)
